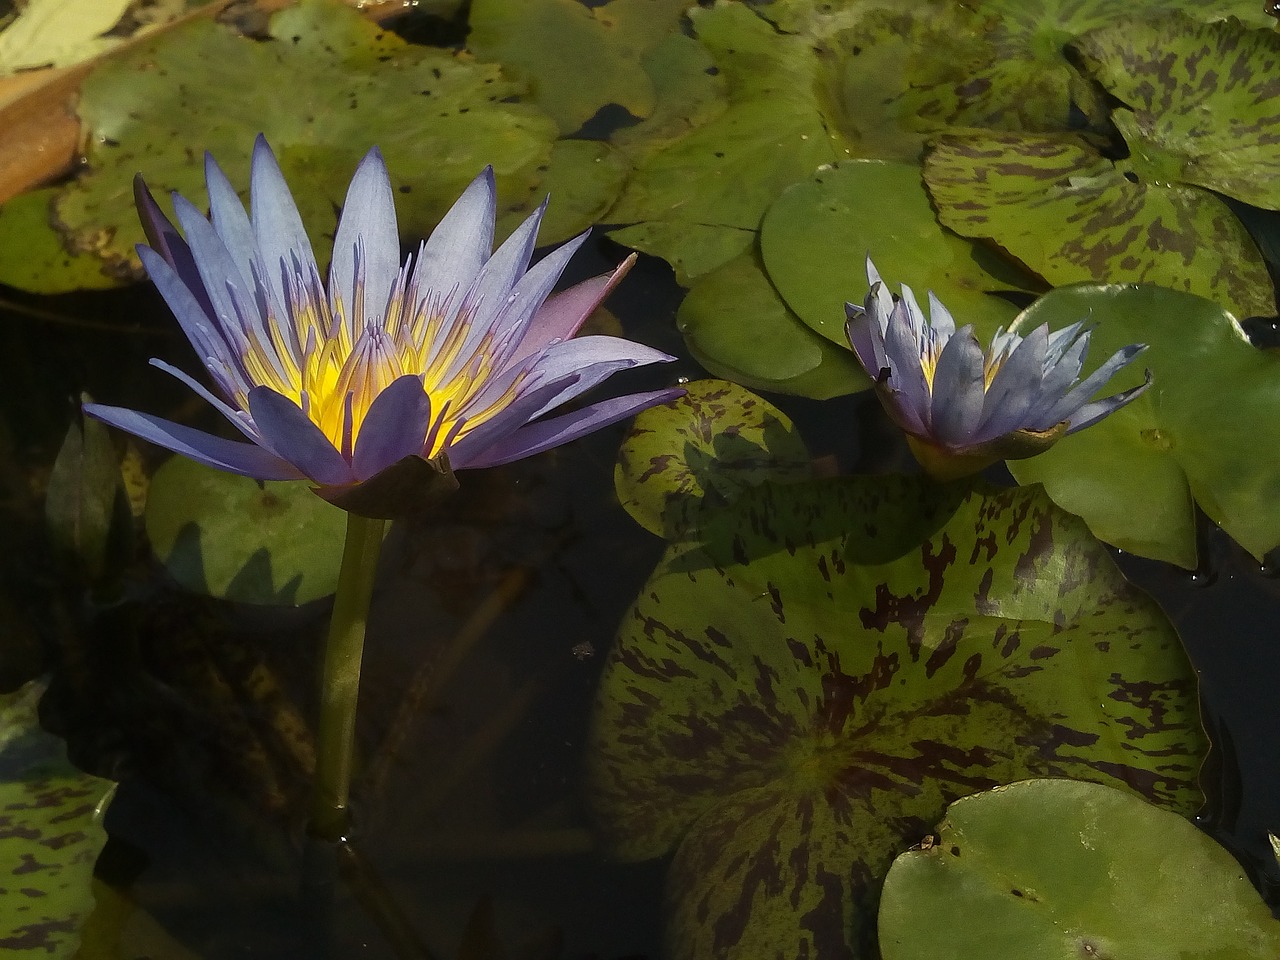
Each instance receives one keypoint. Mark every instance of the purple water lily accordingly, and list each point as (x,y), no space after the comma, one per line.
(459,351)
(963,407)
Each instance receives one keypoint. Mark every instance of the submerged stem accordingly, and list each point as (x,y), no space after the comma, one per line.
(340,682)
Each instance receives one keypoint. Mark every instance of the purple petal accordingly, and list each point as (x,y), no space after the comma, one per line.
(237,418)
(506,421)
(860,331)
(561,316)
(546,434)
(460,244)
(168,243)
(281,239)
(394,427)
(219,273)
(906,379)
(229,218)
(1015,389)
(366,248)
(207,338)
(594,359)
(957,390)
(288,430)
(1091,413)
(507,265)
(246,459)
(1083,392)
(512,320)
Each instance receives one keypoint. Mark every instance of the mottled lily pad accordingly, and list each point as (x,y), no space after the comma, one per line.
(735,324)
(1060,870)
(799,691)
(721,177)
(438,119)
(1202,434)
(816,237)
(701,450)
(1201,101)
(1073,216)
(239,539)
(50,835)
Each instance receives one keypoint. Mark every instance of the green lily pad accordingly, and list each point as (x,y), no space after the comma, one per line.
(735,324)
(1059,870)
(805,685)
(33,256)
(689,91)
(575,58)
(238,539)
(1202,432)
(50,835)
(582,179)
(721,177)
(816,237)
(438,119)
(702,450)
(1073,216)
(1203,104)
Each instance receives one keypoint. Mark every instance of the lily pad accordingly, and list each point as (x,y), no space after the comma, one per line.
(33,256)
(735,324)
(702,450)
(238,539)
(438,119)
(805,685)
(1073,216)
(1059,870)
(1196,435)
(583,178)
(1203,103)
(575,58)
(722,176)
(816,237)
(50,835)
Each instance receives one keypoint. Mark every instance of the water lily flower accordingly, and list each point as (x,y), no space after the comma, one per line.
(451,358)
(964,407)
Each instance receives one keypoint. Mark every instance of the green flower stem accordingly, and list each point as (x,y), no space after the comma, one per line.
(340,683)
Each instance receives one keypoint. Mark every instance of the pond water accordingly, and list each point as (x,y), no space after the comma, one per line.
(578,738)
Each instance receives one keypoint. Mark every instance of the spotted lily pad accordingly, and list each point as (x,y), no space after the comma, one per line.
(816,237)
(271,542)
(1073,216)
(1201,101)
(50,835)
(701,450)
(1201,435)
(438,119)
(800,690)
(1060,870)
(735,324)
(698,202)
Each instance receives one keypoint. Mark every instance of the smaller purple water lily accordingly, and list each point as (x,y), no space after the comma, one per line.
(452,358)
(963,407)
